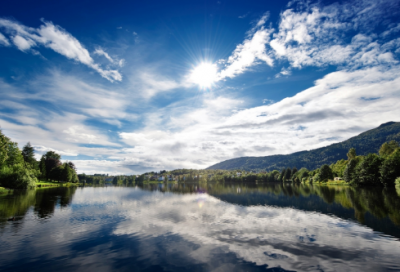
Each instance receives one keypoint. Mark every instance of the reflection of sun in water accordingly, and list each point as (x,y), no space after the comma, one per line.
(204,75)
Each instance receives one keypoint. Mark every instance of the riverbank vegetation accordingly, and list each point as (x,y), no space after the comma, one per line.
(373,169)
(19,169)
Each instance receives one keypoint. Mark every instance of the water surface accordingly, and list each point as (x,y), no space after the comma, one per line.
(190,227)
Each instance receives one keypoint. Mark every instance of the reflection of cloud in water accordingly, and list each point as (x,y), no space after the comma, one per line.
(287,237)
(175,231)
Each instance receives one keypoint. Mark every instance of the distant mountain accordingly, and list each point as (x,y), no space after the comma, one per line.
(367,142)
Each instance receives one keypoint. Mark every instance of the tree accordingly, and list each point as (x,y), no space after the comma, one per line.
(349,171)
(14,155)
(4,141)
(56,173)
(52,160)
(282,175)
(351,154)
(28,153)
(390,169)
(368,169)
(67,173)
(388,148)
(42,167)
(288,174)
(294,171)
(72,166)
(17,176)
(325,173)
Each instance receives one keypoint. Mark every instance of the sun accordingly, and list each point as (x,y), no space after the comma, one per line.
(204,75)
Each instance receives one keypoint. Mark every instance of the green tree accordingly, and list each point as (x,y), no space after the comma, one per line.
(325,173)
(28,153)
(351,154)
(294,171)
(349,173)
(288,174)
(282,175)
(52,160)
(390,169)
(4,141)
(388,148)
(42,167)
(17,176)
(56,173)
(67,173)
(367,170)
(14,155)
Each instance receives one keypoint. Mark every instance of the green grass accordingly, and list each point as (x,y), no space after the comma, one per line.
(43,183)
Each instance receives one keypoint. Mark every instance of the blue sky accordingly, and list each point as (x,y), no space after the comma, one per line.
(127,87)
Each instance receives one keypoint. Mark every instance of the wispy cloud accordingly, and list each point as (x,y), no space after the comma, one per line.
(101,52)
(314,35)
(4,41)
(244,15)
(57,39)
(247,54)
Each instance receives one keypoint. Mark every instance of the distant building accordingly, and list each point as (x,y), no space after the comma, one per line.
(338,178)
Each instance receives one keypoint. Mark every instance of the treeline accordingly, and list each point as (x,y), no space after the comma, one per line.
(382,168)
(372,169)
(102,179)
(20,170)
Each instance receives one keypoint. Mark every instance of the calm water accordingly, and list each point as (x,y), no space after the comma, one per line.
(195,228)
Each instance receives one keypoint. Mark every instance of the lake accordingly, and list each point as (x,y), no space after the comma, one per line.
(194,227)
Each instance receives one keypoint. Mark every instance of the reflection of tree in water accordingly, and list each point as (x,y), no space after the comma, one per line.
(381,203)
(48,199)
(327,194)
(44,201)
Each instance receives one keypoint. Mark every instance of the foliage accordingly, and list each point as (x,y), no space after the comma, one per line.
(21,170)
(351,154)
(325,173)
(388,148)
(390,169)
(28,153)
(338,168)
(17,176)
(349,173)
(367,170)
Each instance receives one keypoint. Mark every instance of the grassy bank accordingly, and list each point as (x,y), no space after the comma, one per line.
(55,184)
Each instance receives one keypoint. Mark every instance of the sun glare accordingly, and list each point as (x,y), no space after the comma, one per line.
(204,75)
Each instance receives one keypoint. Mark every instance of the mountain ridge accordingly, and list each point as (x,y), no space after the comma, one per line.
(366,142)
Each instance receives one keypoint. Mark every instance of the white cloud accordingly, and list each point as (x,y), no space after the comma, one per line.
(101,52)
(23,44)
(57,39)
(314,35)
(246,55)
(4,41)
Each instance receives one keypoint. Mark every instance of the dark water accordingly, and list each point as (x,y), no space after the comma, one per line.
(201,228)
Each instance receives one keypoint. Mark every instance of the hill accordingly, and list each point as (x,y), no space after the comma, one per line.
(367,142)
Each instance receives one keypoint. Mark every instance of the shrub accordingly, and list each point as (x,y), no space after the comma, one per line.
(17,177)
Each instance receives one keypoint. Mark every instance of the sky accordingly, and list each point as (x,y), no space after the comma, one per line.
(127,87)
